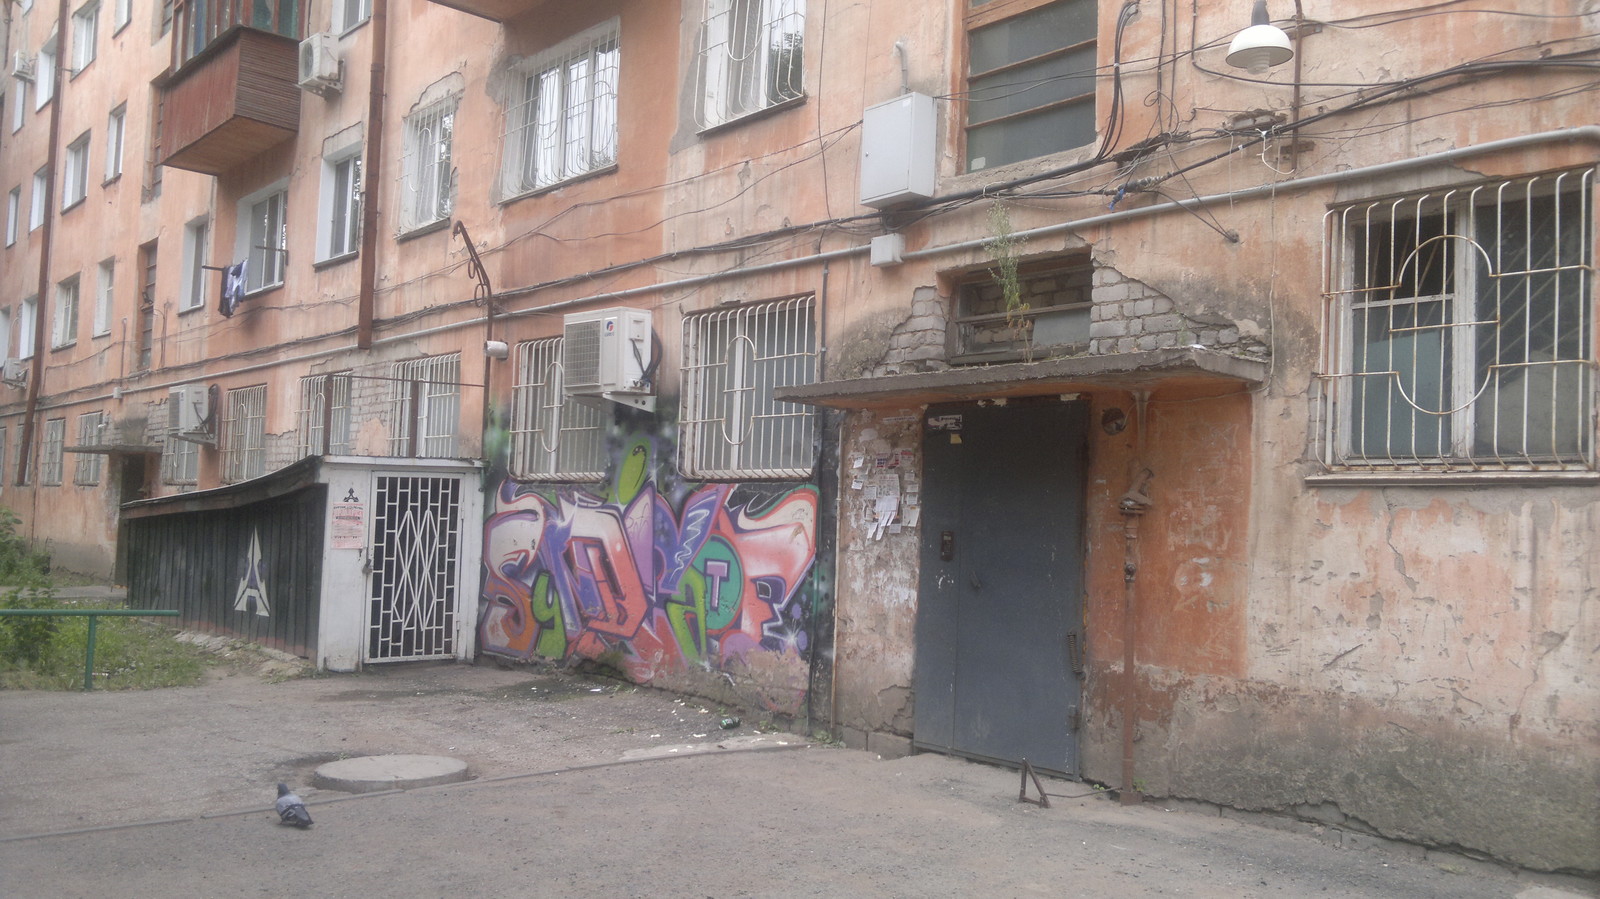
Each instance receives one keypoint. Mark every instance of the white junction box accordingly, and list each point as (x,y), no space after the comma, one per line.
(899,159)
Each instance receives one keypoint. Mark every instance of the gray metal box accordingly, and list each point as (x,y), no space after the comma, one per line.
(899,159)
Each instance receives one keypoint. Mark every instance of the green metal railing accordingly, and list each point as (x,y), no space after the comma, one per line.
(93,615)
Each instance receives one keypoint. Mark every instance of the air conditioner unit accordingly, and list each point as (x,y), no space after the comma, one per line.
(22,66)
(189,413)
(14,372)
(607,353)
(321,70)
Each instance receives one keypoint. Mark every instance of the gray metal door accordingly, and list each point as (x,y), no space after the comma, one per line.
(999,619)
(416,567)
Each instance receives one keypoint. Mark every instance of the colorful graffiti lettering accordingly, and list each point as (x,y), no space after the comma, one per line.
(627,577)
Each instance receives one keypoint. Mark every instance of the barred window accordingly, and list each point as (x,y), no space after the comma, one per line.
(565,121)
(751,58)
(1459,329)
(325,415)
(427,407)
(180,462)
(428,175)
(91,432)
(244,449)
(733,360)
(55,434)
(552,436)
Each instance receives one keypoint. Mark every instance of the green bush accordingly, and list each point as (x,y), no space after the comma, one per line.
(20,564)
(24,641)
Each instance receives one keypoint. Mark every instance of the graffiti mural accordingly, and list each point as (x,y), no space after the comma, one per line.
(647,584)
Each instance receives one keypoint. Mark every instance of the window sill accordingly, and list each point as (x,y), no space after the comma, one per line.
(346,32)
(422,230)
(1571,478)
(63,346)
(188,308)
(73,205)
(333,261)
(730,124)
(1022,168)
(263,291)
(111,179)
(565,182)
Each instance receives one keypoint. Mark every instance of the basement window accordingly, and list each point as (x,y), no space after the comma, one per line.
(1049,315)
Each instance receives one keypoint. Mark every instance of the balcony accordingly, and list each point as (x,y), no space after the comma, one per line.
(495,10)
(231,93)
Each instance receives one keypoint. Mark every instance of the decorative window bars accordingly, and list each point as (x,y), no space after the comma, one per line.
(552,436)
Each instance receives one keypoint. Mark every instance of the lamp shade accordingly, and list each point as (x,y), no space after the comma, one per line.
(1260,46)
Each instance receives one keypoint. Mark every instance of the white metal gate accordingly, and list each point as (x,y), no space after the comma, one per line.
(413,587)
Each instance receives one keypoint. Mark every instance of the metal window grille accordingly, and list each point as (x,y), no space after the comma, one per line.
(552,435)
(416,562)
(1460,329)
(427,173)
(566,121)
(751,58)
(427,403)
(244,452)
(91,432)
(65,326)
(55,433)
(733,359)
(344,229)
(325,415)
(269,241)
(180,462)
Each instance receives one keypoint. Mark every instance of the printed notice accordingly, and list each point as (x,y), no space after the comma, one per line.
(349,526)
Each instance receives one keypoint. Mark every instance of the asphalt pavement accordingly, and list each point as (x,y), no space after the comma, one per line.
(591,788)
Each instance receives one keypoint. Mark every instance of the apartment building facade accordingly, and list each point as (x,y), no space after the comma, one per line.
(1012,378)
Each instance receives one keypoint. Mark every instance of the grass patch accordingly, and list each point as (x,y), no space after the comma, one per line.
(129,653)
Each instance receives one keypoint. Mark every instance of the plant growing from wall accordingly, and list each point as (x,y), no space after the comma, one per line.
(1002,245)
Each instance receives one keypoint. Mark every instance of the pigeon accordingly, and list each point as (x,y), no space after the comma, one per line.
(291,808)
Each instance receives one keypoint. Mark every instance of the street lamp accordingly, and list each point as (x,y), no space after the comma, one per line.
(1261,46)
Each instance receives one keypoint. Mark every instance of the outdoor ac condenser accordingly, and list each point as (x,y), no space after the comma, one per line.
(189,413)
(607,353)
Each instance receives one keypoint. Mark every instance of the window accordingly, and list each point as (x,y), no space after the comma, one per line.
(51,451)
(91,432)
(264,234)
(428,172)
(19,99)
(733,359)
(427,407)
(13,213)
(75,178)
(565,120)
(1459,329)
(347,14)
(41,186)
(340,221)
(122,15)
(325,409)
(116,136)
(147,306)
(196,246)
(153,168)
(1054,314)
(103,298)
(5,442)
(244,448)
(85,29)
(751,58)
(180,461)
(1030,80)
(64,330)
(27,321)
(166,16)
(551,435)
(44,80)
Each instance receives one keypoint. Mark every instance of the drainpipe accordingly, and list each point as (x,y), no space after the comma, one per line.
(42,304)
(371,175)
(1132,505)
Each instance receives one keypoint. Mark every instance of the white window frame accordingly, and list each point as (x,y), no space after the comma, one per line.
(428,176)
(91,432)
(36,203)
(313,401)
(436,417)
(1459,330)
(5,333)
(75,174)
(262,239)
(85,35)
(104,297)
(348,14)
(5,445)
(122,14)
(196,253)
(116,141)
(564,123)
(244,428)
(64,326)
(1062,80)
(44,80)
(734,77)
(13,214)
(339,213)
(730,426)
(553,436)
(52,447)
(180,462)
(19,106)
(27,322)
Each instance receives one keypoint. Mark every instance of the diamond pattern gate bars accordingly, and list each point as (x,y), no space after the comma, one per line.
(416,563)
